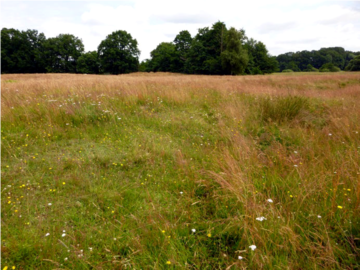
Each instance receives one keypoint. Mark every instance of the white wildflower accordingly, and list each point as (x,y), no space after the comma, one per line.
(252,247)
(270,200)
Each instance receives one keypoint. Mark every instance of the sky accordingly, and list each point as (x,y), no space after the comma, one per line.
(282,25)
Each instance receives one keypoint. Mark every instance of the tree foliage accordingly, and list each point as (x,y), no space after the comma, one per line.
(214,50)
(260,61)
(234,58)
(354,64)
(21,51)
(165,58)
(119,53)
(300,61)
(88,63)
(61,53)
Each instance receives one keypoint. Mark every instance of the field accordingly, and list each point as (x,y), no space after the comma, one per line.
(165,171)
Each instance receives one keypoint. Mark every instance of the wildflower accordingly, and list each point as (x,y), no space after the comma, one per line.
(330,134)
(47,234)
(163,231)
(209,234)
(260,218)
(63,183)
(240,258)
(193,230)
(49,204)
(13,267)
(5,268)
(270,200)
(168,262)
(66,259)
(63,235)
(340,207)
(319,216)
(295,166)
(181,193)
(252,247)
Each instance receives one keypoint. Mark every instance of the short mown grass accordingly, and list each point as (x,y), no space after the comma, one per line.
(166,171)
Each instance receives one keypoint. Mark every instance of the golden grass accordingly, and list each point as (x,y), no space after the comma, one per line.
(305,164)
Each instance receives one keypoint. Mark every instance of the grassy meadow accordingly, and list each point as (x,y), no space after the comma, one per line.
(165,171)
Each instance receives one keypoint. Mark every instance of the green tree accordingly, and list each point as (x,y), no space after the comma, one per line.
(119,53)
(88,63)
(182,43)
(61,53)
(164,58)
(206,49)
(144,66)
(234,58)
(354,64)
(329,67)
(20,51)
(310,68)
(260,61)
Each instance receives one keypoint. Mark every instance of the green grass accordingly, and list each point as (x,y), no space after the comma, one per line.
(126,180)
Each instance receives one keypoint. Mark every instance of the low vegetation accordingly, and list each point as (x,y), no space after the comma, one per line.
(164,171)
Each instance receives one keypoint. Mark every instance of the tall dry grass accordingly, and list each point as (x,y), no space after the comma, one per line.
(291,138)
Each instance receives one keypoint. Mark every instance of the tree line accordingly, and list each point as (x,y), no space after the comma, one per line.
(326,59)
(214,50)
(31,52)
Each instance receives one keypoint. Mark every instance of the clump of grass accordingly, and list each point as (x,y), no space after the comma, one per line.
(282,109)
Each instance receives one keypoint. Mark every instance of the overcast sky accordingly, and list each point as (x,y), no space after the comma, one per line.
(283,25)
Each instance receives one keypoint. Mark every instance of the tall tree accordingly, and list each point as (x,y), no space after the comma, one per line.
(61,53)
(164,58)
(205,50)
(182,43)
(119,53)
(88,63)
(260,61)
(234,58)
(20,51)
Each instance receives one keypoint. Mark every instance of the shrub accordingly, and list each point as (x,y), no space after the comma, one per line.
(310,68)
(287,70)
(329,67)
(354,64)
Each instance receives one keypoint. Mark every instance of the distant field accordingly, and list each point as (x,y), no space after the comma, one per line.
(164,171)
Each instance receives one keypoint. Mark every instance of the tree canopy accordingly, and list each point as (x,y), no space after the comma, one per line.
(216,50)
(21,51)
(300,61)
(354,64)
(61,53)
(118,53)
